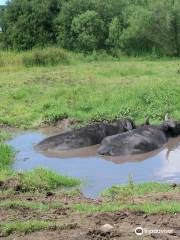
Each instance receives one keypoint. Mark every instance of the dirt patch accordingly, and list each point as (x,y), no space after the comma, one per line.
(124,224)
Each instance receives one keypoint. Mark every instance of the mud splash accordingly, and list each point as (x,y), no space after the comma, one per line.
(96,172)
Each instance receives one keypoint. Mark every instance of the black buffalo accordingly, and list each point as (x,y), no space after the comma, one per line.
(85,136)
(141,140)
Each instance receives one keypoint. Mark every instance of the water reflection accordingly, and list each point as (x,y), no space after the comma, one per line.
(171,164)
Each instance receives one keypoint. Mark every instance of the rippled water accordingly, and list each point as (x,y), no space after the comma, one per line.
(97,172)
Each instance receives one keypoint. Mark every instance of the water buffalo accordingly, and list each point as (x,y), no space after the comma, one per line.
(85,136)
(141,140)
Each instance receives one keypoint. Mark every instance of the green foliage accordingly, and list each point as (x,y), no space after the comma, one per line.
(86,27)
(133,27)
(63,22)
(29,23)
(114,40)
(150,29)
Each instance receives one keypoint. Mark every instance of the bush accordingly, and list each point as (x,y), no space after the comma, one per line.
(29,23)
(45,57)
(86,27)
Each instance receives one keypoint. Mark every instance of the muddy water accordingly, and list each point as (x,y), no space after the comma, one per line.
(98,173)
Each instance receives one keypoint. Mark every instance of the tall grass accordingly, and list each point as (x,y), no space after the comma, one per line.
(36,57)
(45,57)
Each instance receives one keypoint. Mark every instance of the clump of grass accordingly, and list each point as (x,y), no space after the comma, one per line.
(44,180)
(6,156)
(31,226)
(45,57)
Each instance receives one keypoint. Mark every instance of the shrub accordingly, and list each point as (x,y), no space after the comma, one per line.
(45,57)
(86,27)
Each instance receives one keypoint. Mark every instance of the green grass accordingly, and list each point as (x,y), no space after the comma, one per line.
(31,226)
(87,89)
(44,180)
(147,207)
(122,197)
(131,189)
(38,180)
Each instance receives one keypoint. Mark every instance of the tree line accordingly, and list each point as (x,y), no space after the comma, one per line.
(128,26)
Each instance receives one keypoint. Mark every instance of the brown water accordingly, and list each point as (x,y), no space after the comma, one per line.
(97,172)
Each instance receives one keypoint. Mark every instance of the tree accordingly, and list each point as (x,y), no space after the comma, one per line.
(87,29)
(70,9)
(176,26)
(27,23)
(115,31)
(150,28)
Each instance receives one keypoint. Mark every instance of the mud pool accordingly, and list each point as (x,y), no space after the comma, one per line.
(97,172)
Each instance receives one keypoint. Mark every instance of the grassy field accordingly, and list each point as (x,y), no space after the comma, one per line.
(85,88)
(46,86)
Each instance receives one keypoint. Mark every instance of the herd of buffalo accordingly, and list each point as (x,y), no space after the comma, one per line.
(119,138)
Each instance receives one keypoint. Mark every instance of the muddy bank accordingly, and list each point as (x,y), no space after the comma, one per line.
(124,225)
